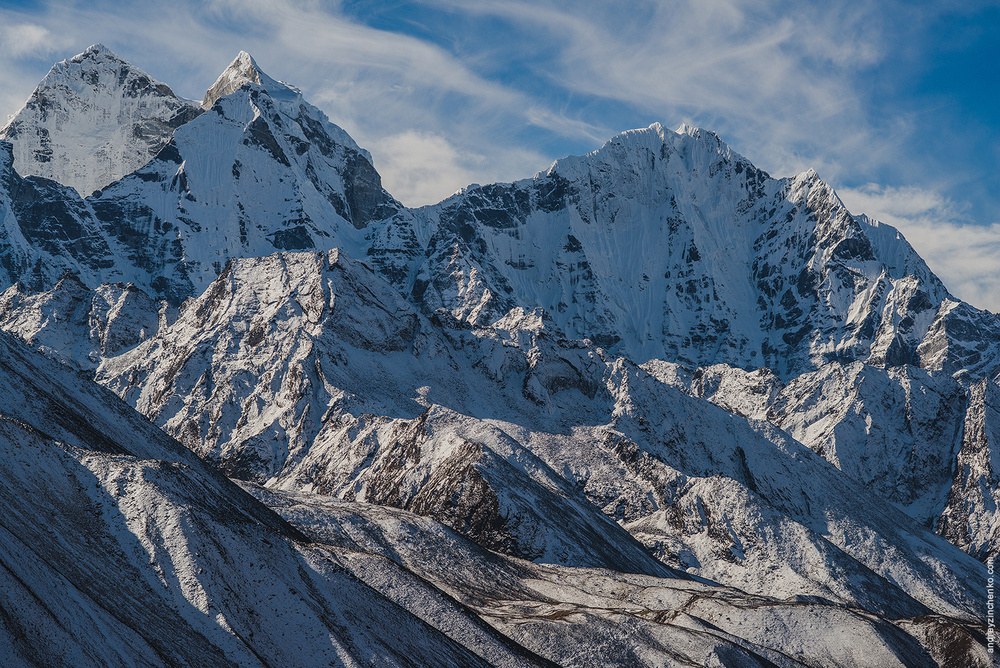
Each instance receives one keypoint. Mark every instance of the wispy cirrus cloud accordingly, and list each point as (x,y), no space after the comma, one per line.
(22,39)
(775,79)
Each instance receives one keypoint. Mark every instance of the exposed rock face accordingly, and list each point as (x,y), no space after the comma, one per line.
(47,230)
(93,119)
(970,519)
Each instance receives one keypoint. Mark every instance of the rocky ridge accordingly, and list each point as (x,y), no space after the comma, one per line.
(121,546)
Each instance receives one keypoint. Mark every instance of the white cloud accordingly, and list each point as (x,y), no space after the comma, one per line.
(22,43)
(420,168)
(25,39)
(965,256)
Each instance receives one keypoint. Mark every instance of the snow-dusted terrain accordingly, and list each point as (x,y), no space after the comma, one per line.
(261,170)
(122,548)
(93,119)
(650,407)
(922,440)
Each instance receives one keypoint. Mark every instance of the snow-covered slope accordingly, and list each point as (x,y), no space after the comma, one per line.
(308,372)
(260,170)
(294,326)
(971,519)
(46,229)
(120,547)
(93,119)
(580,617)
(669,245)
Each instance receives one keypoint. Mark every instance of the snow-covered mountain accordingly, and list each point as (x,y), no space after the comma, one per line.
(660,245)
(122,547)
(307,372)
(93,119)
(589,617)
(74,323)
(261,170)
(668,245)
(531,419)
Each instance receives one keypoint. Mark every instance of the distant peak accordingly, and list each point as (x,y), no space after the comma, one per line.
(98,67)
(95,51)
(808,176)
(243,67)
(242,70)
(244,58)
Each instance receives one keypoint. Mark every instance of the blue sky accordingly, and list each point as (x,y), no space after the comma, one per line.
(895,104)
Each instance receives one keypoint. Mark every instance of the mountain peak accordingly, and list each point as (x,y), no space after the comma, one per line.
(95,51)
(84,71)
(808,177)
(289,100)
(93,119)
(244,66)
(244,69)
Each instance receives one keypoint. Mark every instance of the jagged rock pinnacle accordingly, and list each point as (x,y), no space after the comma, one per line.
(243,69)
